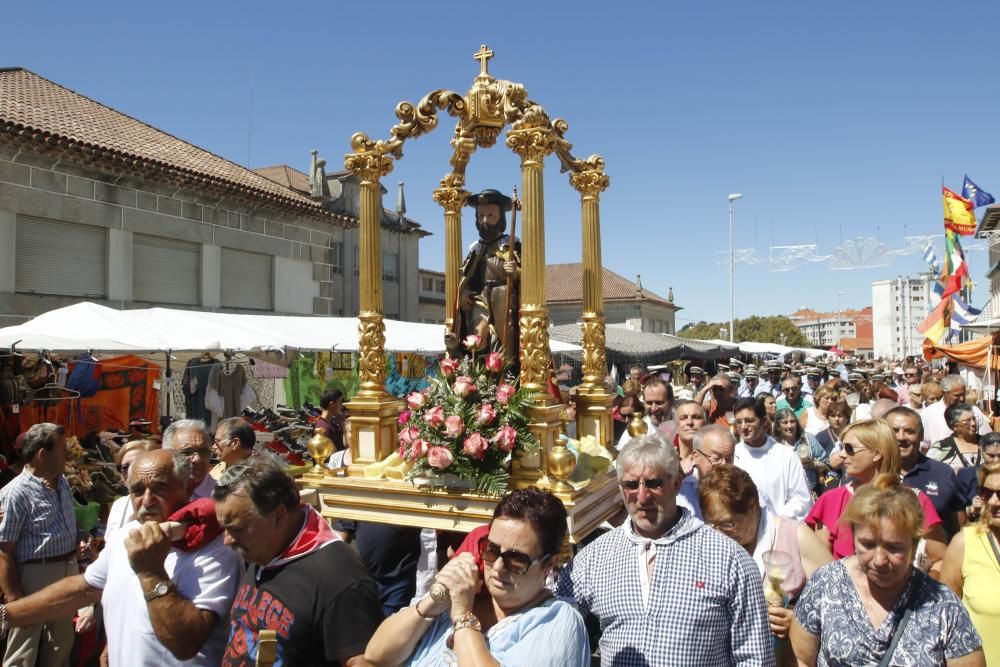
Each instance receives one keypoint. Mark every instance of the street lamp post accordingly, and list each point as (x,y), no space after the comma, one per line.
(732,329)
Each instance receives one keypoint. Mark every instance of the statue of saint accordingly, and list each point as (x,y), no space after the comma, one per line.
(491,268)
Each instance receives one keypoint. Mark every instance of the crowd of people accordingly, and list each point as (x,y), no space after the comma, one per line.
(772,516)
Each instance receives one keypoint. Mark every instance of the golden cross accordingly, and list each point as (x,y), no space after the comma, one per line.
(483,56)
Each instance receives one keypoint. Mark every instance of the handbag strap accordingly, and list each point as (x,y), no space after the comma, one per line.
(897,634)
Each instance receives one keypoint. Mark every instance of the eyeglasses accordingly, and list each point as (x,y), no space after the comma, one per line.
(851,450)
(724,526)
(203,452)
(651,484)
(988,494)
(714,459)
(515,561)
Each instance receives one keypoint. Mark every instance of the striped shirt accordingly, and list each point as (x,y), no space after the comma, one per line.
(40,521)
(706,602)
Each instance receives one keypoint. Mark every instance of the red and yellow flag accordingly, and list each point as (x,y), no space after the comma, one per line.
(958,215)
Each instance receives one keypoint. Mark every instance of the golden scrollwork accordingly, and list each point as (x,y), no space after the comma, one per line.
(451,198)
(594,341)
(371,355)
(369,165)
(534,352)
(590,183)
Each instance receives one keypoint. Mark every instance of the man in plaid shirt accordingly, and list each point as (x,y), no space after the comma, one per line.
(667,589)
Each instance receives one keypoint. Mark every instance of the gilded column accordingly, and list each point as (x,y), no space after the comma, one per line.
(452,199)
(593,410)
(533,143)
(373,423)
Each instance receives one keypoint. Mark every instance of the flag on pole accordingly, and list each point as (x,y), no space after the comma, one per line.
(956,271)
(936,325)
(972,192)
(958,215)
(931,258)
(962,314)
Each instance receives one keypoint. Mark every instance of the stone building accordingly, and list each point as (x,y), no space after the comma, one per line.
(96,205)
(626,304)
(431,309)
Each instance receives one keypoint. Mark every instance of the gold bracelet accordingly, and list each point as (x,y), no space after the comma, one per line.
(466,620)
(416,608)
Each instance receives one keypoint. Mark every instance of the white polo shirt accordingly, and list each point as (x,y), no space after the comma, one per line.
(207,577)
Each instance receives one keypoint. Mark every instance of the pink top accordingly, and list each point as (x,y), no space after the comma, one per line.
(785,537)
(830,507)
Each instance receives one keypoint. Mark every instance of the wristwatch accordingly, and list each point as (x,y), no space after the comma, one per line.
(158,591)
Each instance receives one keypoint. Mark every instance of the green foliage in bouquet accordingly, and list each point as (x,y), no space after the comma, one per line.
(470,422)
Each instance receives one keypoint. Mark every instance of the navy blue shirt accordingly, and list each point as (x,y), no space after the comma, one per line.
(938,481)
(968,483)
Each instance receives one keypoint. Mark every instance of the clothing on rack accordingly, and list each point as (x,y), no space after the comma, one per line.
(195,385)
(228,392)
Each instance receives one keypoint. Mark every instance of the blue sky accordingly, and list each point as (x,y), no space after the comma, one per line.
(835,120)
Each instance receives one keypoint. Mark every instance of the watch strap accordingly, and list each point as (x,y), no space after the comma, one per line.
(161,589)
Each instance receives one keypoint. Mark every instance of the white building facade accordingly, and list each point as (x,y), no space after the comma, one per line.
(899,305)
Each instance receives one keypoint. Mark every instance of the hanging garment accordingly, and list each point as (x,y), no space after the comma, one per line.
(194,384)
(228,392)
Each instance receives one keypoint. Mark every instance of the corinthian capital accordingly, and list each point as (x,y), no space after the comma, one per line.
(532,143)
(590,183)
(369,166)
(451,198)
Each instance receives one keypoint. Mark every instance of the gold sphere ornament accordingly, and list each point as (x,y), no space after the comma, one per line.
(637,426)
(320,447)
(560,464)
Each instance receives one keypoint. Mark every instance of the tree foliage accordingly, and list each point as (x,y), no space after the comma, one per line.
(757,329)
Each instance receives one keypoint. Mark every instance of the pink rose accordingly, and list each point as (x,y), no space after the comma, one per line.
(506,438)
(435,416)
(473,342)
(494,362)
(504,393)
(404,417)
(486,414)
(416,400)
(475,446)
(408,435)
(463,386)
(418,450)
(453,426)
(448,366)
(440,457)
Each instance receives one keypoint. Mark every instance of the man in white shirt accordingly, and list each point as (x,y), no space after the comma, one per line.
(191,438)
(658,399)
(935,428)
(774,468)
(162,605)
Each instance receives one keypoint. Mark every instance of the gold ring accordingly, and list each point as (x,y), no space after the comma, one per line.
(439,592)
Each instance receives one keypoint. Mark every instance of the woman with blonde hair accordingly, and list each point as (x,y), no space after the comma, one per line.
(814,419)
(871,448)
(971,566)
(875,607)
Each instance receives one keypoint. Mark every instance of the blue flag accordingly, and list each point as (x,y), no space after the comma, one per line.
(978,197)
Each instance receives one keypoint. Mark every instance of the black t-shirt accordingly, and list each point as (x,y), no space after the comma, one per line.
(324,607)
(390,552)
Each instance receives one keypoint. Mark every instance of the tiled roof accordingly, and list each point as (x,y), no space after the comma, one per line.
(57,118)
(564,284)
(855,344)
(285,175)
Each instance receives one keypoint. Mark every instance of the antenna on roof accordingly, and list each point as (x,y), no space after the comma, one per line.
(250,124)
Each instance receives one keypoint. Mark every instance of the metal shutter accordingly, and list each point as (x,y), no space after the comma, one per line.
(247,280)
(60,258)
(165,270)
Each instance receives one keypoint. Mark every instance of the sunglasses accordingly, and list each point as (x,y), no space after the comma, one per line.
(651,484)
(514,561)
(988,494)
(851,450)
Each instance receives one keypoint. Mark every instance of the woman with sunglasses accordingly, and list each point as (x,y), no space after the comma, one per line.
(874,607)
(971,566)
(871,448)
(961,448)
(730,504)
(503,614)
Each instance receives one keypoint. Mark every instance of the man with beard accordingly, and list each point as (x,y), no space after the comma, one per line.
(483,287)
(162,605)
(934,478)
